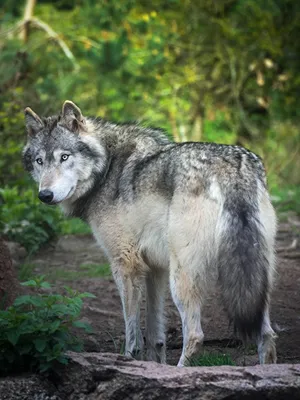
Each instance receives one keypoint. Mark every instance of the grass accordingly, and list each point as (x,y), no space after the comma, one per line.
(96,270)
(74,226)
(211,360)
(85,271)
(26,271)
(287,199)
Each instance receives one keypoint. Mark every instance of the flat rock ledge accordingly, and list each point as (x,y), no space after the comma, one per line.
(105,376)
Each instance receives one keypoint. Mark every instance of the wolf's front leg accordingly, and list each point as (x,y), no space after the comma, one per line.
(130,285)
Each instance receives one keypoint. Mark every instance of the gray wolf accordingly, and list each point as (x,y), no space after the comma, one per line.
(193,214)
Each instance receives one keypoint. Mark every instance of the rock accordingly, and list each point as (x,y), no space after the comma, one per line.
(97,376)
(18,253)
(31,387)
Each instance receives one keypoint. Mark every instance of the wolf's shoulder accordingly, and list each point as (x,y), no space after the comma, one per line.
(126,132)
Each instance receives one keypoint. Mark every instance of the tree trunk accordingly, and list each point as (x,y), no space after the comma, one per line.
(9,285)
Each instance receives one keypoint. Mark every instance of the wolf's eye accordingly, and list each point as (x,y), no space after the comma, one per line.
(64,157)
(39,161)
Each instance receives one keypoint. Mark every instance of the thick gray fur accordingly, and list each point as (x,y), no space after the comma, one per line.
(193,214)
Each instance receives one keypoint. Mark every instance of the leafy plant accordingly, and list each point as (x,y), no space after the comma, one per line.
(26,271)
(12,140)
(36,331)
(25,220)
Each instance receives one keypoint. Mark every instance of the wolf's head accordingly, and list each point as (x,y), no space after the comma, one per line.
(62,154)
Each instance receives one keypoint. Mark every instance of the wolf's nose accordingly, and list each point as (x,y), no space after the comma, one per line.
(46,196)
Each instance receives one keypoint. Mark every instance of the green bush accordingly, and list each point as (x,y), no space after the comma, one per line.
(12,139)
(286,199)
(279,148)
(26,220)
(35,332)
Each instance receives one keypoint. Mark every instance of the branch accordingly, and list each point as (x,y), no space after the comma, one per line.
(53,35)
(28,13)
(22,27)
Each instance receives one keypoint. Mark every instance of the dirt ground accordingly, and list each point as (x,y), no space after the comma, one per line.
(105,315)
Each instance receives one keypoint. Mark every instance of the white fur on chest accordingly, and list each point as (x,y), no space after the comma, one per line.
(143,224)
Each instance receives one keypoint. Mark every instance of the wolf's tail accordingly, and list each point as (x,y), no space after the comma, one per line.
(243,264)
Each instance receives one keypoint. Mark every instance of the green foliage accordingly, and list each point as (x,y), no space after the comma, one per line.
(280,149)
(73,226)
(218,130)
(26,271)
(85,271)
(25,220)
(12,141)
(211,360)
(286,199)
(36,331)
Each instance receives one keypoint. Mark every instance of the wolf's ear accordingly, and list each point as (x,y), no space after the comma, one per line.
(72,117)
(33,122)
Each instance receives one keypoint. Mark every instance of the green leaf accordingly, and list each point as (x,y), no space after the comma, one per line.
(54,325)
(40,344)
(27,299)
(63,360)
(83,325)
(88,295)
(29,283)
(78,347)
(13,336)
(60,309)
(45,285)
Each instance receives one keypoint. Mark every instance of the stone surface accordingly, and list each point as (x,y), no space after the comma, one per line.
(97,376)
(27,387)
(17,252)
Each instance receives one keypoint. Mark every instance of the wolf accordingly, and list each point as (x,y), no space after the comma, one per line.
(189,214)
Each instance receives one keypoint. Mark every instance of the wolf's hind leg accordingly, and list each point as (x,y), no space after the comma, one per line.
(266,342)
(186,296)
(156,282)
(130,287)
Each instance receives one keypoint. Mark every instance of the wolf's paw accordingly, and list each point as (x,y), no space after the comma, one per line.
(136,353)
(157,352)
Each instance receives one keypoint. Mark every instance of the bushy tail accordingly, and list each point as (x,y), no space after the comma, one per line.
(243,265)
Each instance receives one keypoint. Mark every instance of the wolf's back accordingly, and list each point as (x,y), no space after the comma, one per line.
(245,255)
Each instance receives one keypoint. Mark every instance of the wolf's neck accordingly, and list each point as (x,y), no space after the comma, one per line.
(118,136)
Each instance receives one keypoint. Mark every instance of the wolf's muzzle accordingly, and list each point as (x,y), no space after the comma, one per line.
(46,196)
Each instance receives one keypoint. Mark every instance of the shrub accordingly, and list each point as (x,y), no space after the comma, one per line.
(25,220)
(36,331)
(12,140)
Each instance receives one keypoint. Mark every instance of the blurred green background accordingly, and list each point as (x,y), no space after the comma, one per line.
(226,71)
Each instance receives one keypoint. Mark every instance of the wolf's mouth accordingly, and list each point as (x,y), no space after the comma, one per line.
(54,203)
